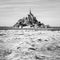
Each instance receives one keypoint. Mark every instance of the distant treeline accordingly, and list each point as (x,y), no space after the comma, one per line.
(5,28)
(12,28)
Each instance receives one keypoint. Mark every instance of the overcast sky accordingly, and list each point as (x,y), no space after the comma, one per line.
(46,11)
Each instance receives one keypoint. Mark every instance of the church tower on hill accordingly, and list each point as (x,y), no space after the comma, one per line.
(30,20)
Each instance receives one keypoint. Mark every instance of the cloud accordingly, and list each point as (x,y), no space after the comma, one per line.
(11,9)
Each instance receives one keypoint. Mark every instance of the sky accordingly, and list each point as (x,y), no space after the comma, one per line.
(46,11)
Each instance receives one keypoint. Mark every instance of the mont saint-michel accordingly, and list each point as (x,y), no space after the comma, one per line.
(29,29)
(29,21)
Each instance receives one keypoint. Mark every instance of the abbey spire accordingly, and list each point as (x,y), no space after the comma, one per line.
(30,13)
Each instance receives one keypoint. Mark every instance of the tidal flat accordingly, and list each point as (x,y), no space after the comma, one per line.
(29,45)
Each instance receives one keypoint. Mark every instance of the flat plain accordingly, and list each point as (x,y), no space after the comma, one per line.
(29,45)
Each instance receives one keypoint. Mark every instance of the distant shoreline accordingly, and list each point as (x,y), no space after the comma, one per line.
(42,29)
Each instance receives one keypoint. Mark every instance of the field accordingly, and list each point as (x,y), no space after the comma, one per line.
(29,45)
(13,28)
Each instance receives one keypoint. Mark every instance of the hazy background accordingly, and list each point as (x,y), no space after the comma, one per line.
(46,11)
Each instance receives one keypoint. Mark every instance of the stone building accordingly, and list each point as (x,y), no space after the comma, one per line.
(30,20)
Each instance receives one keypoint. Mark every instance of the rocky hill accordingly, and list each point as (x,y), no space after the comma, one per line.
(30,21)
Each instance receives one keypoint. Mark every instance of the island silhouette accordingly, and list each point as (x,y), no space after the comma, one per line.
(31,23)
